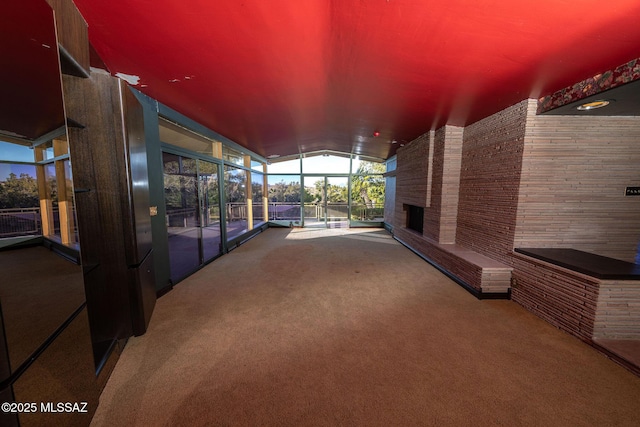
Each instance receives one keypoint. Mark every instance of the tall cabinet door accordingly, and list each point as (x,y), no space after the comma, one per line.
(138,247)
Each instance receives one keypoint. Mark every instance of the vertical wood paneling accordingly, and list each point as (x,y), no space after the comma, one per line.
(72,31)
(97,153)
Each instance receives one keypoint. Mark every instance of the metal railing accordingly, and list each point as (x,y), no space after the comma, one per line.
(373,212)
(291,211)
(20,222)
(280,211)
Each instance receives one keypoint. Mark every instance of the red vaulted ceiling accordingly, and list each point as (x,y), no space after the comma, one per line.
(289,76)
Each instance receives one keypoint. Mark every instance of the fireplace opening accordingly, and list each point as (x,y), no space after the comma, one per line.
(415,217)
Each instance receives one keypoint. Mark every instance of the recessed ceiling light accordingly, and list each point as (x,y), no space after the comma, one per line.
(593,105)
(273,156)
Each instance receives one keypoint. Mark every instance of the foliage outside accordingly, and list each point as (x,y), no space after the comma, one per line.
(19,192)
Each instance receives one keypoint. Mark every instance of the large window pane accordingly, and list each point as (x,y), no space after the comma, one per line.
(15,152)
(325,164)
(287,166)
(181,200)
(173,134)
(257,166)
(209,192)
(368,192)
(235,186)
(19,203)
(232,156)
(257,192)
(283,195)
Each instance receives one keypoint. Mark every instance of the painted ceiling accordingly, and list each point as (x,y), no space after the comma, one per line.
(284,76)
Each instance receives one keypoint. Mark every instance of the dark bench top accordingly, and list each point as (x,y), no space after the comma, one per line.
(587,263)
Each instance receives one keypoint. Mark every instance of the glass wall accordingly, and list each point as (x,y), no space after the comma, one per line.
(214,193)
(338,190)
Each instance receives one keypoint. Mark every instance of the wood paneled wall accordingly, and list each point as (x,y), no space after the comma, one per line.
(574,174)
(73,37)
(99,177)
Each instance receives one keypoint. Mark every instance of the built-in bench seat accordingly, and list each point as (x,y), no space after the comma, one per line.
(616,312)
(593,265)
(481,275)
(594,297)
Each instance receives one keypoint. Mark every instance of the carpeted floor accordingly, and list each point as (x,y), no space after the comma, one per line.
(302,327)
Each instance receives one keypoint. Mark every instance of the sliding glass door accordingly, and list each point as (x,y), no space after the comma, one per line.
(211,237)
(193,213)
(326,201)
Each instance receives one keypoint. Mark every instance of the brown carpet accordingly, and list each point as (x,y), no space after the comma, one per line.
(346,327)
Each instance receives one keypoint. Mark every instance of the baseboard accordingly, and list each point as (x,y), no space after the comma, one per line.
(473,291)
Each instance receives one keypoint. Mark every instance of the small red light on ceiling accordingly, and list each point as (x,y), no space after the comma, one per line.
(376,133)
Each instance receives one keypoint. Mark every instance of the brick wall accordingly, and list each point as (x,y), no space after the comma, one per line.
(447,154)
(489,182)
(574,173)
(411,177)
(618,311)
(566,299)
(534,181)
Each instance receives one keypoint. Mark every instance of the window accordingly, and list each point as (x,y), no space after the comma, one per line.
(171,133)
(257,194)
(231,156)
(368,192)
(235,187)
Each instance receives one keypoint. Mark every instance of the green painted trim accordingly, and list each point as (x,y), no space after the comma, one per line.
(159,235)
(190,124)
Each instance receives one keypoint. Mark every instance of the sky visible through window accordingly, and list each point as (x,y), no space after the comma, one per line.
(315,165)
(16,153)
